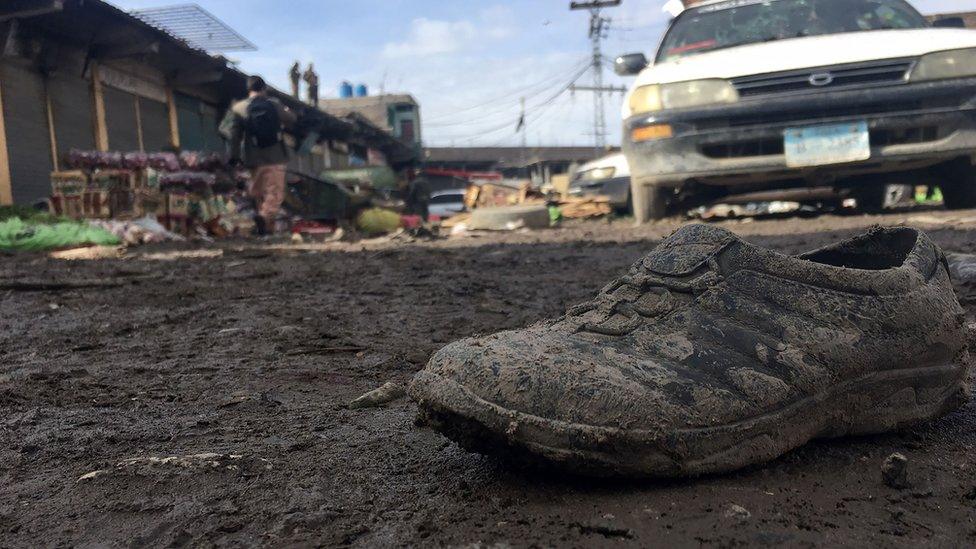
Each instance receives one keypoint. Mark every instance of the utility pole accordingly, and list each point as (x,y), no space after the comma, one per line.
(598,31)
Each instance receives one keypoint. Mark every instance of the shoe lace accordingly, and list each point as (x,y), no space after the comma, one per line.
(631,300)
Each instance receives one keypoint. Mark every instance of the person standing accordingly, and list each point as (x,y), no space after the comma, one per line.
(295,75)
(312,80)
(254,130)
(418,197)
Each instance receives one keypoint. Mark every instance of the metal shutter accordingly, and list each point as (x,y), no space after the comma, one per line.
(120,118)
(210,128)
(28,141)
(191,127)
(71,102)
(155,124)
(199,125)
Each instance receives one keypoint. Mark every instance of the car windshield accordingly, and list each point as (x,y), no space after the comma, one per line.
(741,22)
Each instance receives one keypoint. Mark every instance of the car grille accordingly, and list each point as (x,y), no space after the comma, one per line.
(825,78)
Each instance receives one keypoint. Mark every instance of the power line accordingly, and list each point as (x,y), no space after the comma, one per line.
(534,88)
(536,110)
(493,113)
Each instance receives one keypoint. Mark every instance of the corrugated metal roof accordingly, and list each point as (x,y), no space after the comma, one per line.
(196,26)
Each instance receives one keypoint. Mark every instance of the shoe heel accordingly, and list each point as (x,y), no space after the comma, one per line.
(899,399)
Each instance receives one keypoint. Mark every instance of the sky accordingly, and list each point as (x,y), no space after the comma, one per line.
(468,62)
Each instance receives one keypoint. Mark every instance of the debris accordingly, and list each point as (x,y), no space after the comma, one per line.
(585,208)
(145,230)
(509,218)
(375,221)
(456,220)
(88,253)
(894,471)
(500,194)
(19,235)
(188,254)
(737,512)
(389,392)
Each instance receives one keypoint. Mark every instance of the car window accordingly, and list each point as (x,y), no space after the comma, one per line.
(447,199)
(741,22)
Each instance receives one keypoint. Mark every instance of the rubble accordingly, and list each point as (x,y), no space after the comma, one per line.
(737,512)
(894,471)
(509,218)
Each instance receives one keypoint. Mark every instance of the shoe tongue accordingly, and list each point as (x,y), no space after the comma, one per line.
(688,249)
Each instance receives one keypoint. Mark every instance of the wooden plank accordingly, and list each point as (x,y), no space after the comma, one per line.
(6,189)
(174,121)
(50,125)
(101,128)
(142,141)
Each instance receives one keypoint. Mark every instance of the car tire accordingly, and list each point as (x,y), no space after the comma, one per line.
(959,186)
(649,202)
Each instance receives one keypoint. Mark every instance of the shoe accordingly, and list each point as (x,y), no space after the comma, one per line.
(712,354)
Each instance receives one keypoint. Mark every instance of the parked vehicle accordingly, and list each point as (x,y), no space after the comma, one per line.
(608,176)
(446,203)
(748,95)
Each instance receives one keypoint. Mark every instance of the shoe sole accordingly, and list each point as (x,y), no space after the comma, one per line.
(872,404)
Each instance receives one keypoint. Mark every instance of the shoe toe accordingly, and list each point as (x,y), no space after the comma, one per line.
(552,376)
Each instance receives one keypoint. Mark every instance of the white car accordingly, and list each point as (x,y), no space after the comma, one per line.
(447,203)
(748,95)
(608,176)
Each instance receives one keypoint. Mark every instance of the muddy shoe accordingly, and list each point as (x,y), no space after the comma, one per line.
(713,354)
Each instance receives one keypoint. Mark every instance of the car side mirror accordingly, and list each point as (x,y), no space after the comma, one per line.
(950,23)
(630,64)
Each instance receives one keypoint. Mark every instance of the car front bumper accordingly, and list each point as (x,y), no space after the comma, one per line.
(617,190)
(912,126)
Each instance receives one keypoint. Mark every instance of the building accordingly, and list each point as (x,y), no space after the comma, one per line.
(536,163)
(132,86)
(398,114)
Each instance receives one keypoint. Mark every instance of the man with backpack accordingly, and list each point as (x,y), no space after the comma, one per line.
(253,128)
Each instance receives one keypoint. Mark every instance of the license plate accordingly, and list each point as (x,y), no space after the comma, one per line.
(828,144)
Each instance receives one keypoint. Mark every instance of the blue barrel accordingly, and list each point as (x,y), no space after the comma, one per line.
(362,90)
(345,90)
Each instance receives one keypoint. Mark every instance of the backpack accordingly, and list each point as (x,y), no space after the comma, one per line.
(263,125)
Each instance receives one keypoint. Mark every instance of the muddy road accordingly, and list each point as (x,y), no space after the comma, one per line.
(200,401)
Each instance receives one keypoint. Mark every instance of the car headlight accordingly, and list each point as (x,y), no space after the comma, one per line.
(681,95)
(945,64)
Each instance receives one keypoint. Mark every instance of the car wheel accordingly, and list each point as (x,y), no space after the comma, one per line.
(959,186)
(650,203)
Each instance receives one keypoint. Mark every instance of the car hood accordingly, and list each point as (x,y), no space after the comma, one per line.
(807,52)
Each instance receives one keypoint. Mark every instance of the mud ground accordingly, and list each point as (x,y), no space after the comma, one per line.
(249,352)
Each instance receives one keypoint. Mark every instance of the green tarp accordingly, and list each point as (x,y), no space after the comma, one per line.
(17,234)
